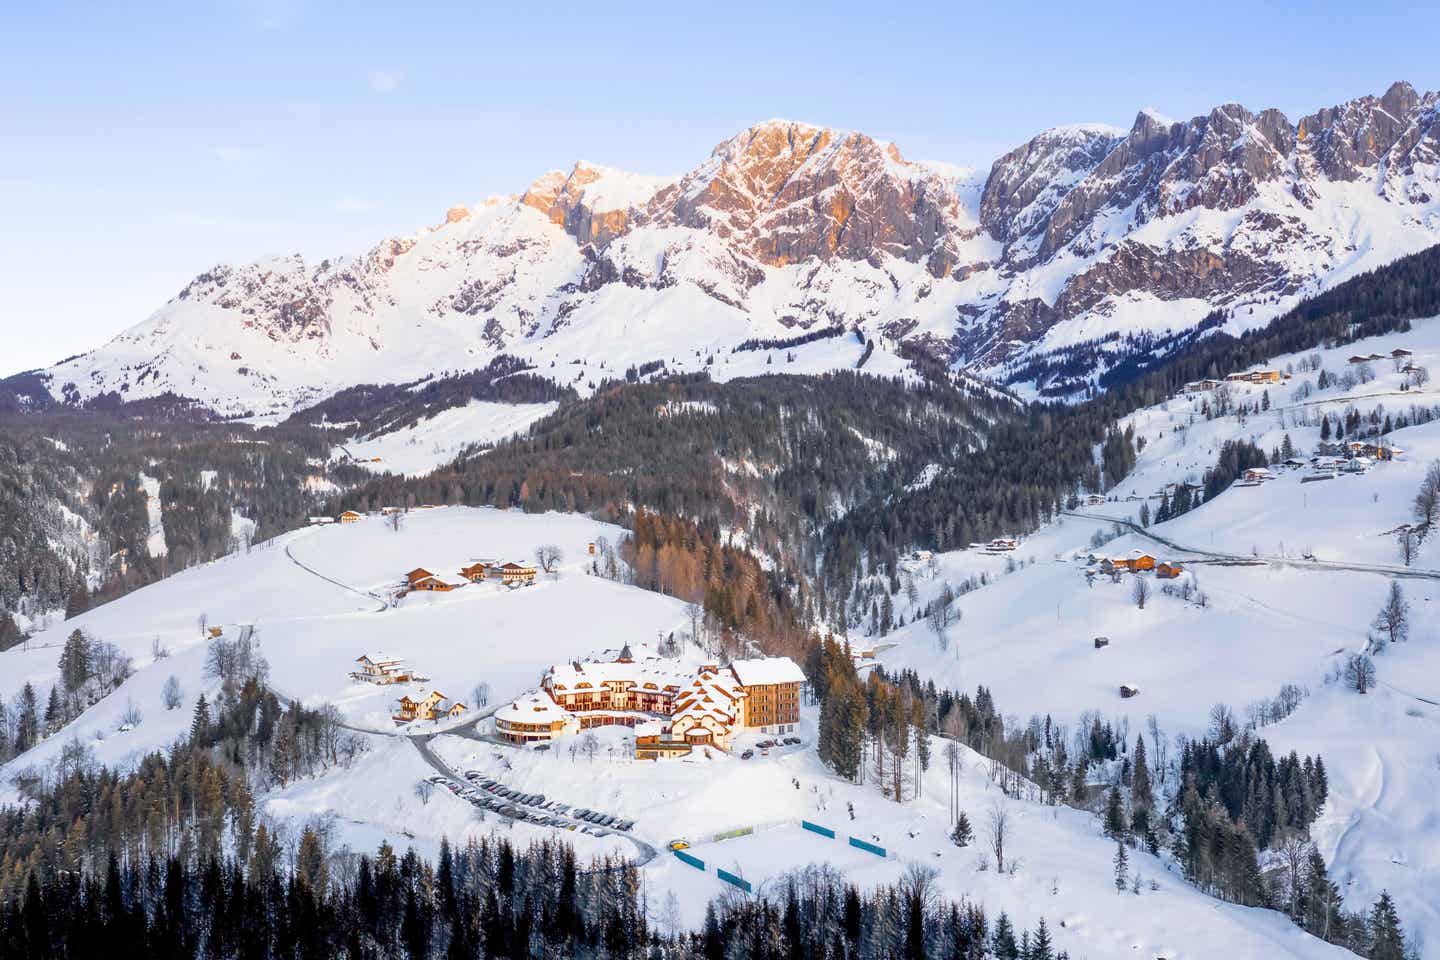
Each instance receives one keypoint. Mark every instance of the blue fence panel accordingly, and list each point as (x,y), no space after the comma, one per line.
(816,828)
(733,880)
(684,857)
(868,847)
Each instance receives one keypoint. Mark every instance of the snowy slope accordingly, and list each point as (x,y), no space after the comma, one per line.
(1083,232)
(1028,634)
(419,450)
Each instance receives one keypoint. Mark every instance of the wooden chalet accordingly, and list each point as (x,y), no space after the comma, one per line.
(1095,500)
(382,669)
(1128,690)
(422,579)
(1143,562)
(349,516)
(432,705)
(1201,386)
(511,573)
(474,572)
(1168,571)
(1400,353)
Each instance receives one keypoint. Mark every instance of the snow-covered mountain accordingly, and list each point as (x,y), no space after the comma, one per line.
(1073,241)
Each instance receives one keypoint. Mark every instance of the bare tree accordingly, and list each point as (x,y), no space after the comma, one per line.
(696,615)
(395,521)
(1140,592)
(424,789)
(1222,724)
(549,557)
(131,717)
(1161,748)
(481,694)
(1394,616)
(1426,508)
(942,614)
(158,650)
(954,764)
(1409,543)
(171,695)
(204,621)
(1360,672)
(995,832)
(590,745)
(1294,851)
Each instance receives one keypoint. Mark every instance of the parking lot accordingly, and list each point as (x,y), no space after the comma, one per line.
(536,808)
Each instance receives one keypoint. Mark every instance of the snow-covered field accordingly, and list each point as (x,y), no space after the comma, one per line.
(419,450)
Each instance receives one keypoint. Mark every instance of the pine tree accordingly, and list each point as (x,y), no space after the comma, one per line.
(1114,815)
(1002,941)
(54,712)
(1386,940)
(27,724)
(1122,866)
(1040,946)
(1141,792)
(962,835)
(200,723)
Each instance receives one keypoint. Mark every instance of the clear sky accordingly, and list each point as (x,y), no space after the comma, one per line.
(139,147)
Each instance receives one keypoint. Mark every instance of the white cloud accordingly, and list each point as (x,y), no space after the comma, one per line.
(386,81)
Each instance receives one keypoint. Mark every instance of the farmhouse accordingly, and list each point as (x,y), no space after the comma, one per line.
(381,668)
(1003,543)
(1257,376)
(704,708)
(349,516)
(422,579)
(1128,690)
(1095,500)
(432,706)
(319,521)
(1399,353)
(1200,386)
(476,570)
(1258,475)
(1168,571)
(511,573)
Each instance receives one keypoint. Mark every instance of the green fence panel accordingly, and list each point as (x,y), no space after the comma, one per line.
(684,857)
(816,828)
(733,880)
(867,847)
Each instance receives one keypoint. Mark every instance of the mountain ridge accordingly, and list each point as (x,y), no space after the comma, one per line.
(785,227)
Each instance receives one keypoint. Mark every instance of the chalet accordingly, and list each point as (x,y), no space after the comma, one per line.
(422,579)
(1200,386)
(1002,543)
(1128,690)
(1142,562)
(921,556)
(1095,500)
(702,709)
(1101,642)
(319,521)
(772,687)
(1400,353)
(1115,564)
(1358,360)
(1257,376)
(381,668)
(474,572)
(1356,465)
(349,516)
(1331,448)
(511,573)
(434,704)
(1168,571)
(1375,451)
(1258,475)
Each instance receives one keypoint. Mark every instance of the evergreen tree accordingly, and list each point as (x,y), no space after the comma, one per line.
(1141,792)
(1114,815)
(1122,866)
(27,724)
(1386,940)
(200,723)
(962,835)
(1041,947)
(75,661)
(1002,941)
(54,713)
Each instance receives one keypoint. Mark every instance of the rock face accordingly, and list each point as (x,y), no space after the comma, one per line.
(1070,245)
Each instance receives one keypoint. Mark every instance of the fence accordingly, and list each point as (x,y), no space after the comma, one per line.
(867,847)
(732,834)
(816,828)
(684,857)
(733,880)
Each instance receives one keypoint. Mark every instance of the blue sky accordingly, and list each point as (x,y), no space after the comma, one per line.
(139,148)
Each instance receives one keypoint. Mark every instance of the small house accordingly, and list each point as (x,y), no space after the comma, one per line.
(319,521)
(349,516)
(1399,353)
(1142,562)
(1358,360)
(1168,571)
(1201,386)
(1094,500)
(511,573)
(474,572)
(1128,690)
(1101,642)
(1003,543)
(1258,475)
(417,575)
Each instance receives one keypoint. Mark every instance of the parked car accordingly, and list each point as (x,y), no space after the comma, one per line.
(679,844)
(765,744)
(747,754)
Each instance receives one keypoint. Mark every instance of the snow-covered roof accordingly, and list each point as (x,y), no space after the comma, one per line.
(652,673)
(767,670)
(535,708)
(380,659)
